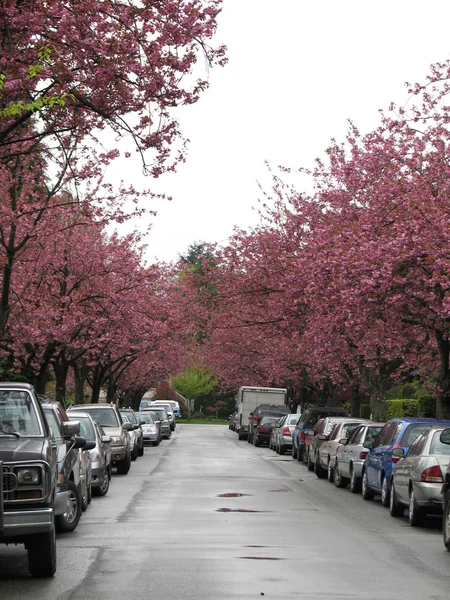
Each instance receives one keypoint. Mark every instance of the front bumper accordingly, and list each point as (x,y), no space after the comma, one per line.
(118,453)
(98,476)
(26,522)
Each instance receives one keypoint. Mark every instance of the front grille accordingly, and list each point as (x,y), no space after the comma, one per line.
(9,482)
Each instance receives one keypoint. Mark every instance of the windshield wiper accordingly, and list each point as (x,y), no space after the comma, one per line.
(6,432)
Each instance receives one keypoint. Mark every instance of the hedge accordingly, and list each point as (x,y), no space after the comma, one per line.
(424,406)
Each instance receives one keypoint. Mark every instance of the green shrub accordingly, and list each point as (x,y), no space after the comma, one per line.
(364,411)
(427,405)
(400,407)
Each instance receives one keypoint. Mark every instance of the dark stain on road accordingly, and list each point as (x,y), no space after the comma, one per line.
(232,495)
(260,558)
(239,510)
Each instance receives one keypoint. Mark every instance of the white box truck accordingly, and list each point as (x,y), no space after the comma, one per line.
(248,399)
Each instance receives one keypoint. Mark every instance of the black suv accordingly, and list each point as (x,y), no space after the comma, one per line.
(263,410)
(29,476)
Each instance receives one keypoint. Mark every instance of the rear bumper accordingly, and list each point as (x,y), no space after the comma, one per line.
(428,494)
(26,522)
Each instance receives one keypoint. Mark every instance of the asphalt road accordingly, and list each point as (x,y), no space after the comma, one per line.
(206,517)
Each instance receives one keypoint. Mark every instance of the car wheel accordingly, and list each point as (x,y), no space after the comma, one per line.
(339,481)
(42,554)
(156,443)
(123,466)
(366,492)
(294,452)
(134,454)
(69,520)
(310,463)
(417,514)
(330,472)
(446,521)
(300,454)
(384,493)
(84,501)
(281,449)
(141,450)
(395,508)
(318,469)
(103,489)
(355,482)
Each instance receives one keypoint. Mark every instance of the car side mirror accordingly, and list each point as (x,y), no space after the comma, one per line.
(398,453)
(106,439)
(310,432)
(79,442)
(322,437)
(368,444)
(70,428)
(344,441)
(445,436)
(127,426)
(90,445)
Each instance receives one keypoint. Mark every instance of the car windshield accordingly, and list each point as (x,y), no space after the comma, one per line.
(161,413)
(372,432)
(18,415)
(266,420)
(347,429)
(292,419)
(412,433)
(146,418)
(131,416)
(437,447)
(106,417)
(86,427)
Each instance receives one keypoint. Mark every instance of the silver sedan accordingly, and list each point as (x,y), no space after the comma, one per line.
(417,479)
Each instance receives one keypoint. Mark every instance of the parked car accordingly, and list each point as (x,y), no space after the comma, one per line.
(71,487)
(169,410)
(416,480)
(161,413)
(260,411)
(351,455)
(445,439)
(173,404)
(263,430)
(100,454)
(29,476)
(306,423)
(397,433)
(282,433)
(108,417)
(150,430)
(331,442)
(136,434)
(321,434)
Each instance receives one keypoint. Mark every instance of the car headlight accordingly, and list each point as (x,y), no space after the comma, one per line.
(115,441)
(28,476)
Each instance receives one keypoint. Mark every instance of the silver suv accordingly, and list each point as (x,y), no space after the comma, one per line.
(109,418)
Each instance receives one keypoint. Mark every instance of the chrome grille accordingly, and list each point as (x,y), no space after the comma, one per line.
(9,482)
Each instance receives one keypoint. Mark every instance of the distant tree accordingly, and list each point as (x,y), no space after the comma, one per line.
(195,382)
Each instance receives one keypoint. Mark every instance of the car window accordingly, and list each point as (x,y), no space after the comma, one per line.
(53,423)
(86,428)
(347,429)
(292,419)
(131,416)
(383,436)
(334,432)
(437,447)
(417,446)
(412,433)
(146,417)
(18,413)
(356,435)
(104,416)
(371,433)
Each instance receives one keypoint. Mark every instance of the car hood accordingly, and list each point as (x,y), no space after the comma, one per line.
(16,449)
(116,431)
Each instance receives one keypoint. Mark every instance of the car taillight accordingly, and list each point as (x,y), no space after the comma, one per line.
(302,436)
(432,475)
(263,430)
(363,455)
(395,459)
(255,420)
(286,431)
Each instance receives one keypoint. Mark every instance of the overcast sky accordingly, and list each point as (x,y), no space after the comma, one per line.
(298,69)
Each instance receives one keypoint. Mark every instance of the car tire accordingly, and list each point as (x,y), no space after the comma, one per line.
(366,492)
(281,449)
(123,466)
(103,489)
(309,463)
(339,480)
(318,469)
(84,501)
(294,452)
(330,472)
(141,450)
(300,454)
(256,441)
(384,493)
(355,482)
(446,521)
(417,514)
(135,452)
(395,508)
(42,554)
(69,520)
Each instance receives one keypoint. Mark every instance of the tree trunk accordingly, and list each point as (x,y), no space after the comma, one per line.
(356,401)
(111,390)
(61,369)
(443,398)
(80,374)
(376,380)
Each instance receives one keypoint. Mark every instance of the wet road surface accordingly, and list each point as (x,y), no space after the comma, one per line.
(207,517)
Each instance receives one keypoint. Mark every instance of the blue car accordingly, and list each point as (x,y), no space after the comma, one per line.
(397,433)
